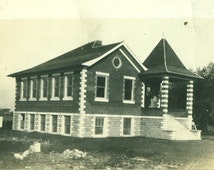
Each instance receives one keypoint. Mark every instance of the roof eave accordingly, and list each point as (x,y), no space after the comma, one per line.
(19,74)
(171,74)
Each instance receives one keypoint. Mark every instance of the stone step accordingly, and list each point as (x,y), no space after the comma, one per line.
(178,130)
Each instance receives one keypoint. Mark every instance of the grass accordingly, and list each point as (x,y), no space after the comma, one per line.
(126,153)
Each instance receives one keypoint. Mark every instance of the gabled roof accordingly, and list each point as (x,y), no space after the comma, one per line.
(72,59)
(84,56)
(163,60)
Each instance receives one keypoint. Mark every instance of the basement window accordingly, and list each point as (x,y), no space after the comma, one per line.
(67,124)
(99,124)
(54,123)
(126,126)
(42,123)
(22,121)
(32,121)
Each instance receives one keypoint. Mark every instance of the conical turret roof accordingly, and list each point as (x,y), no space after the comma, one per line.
(163,60)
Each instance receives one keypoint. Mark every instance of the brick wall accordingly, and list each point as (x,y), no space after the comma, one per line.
(136,129)
(75,125)
(15,121)
(114,126)
(37,123)
(48,123)
(60,127)
(152,127)
(166,127)
(81,125)
(61,105)
(115,104)
(88,124)
(27,121)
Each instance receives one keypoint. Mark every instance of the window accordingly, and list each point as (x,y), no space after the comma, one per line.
(99,124)
(102,87)
(44,87)
(32,120)
(67,124)
(126,126)
(23,93)
(128,90)
(116,62)
(42,125)
(22,121)
(33,88)
(68,86)
(56,87)
(54,123)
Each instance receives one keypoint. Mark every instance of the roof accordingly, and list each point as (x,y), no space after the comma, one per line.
(163,60)
(71,59)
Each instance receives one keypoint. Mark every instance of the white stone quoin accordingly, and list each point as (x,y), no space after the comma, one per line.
(1,121)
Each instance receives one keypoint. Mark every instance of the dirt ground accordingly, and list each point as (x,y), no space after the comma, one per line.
(59,152)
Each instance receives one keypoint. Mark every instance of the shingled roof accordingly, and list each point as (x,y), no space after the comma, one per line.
(163,60)
(72,59)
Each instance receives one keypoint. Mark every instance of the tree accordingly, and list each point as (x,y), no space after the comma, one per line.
(203,110)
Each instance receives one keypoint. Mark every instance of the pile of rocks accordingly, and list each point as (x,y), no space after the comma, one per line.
(73,154)
(36,147)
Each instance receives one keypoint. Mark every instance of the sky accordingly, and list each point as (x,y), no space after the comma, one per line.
(32,32)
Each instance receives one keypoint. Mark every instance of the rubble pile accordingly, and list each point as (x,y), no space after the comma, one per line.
(36,147)
(75,153)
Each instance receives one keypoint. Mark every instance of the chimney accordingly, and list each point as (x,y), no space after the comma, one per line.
(97,43)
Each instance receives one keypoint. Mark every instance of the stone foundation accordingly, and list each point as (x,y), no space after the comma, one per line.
(81,125)
(84,125)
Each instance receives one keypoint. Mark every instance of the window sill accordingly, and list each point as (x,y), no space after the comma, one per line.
(99,136)
(54,99)
(22,129)
(54,133)
(67,98)
(151,108)
(40,131)
(130,135)
(31,130)
(23,99)
(66,134)
(128,102)
(127,136)
(43,99)
(32,99)
(101,100)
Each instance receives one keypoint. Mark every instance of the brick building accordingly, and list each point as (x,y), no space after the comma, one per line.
(104,90)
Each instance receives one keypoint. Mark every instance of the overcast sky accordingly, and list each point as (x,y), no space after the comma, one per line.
(32,32)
